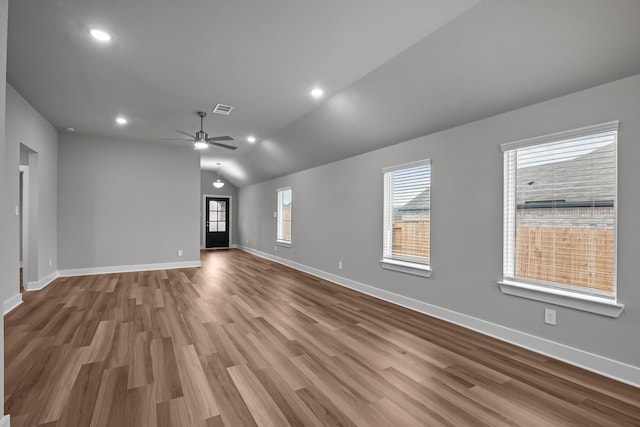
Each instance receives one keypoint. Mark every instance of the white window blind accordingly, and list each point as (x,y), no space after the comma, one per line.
(560,201)
(284,215)
(407,212)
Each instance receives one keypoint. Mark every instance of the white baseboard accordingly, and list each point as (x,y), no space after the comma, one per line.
(614,369)
(5,421)
(10,304)
(127,268)
(40,284)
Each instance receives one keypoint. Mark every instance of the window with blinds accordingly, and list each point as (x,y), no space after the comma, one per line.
(407,213)
(560,201)
(284,215)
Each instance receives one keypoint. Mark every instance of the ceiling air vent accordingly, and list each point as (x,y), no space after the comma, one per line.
(222,109)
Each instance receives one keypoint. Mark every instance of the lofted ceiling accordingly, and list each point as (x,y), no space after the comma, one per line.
(391,70)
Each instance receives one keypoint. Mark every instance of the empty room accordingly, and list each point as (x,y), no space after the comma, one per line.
(320,213)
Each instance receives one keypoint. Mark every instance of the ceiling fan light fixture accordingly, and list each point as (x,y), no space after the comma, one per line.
(201,139)
(200,145)
(251,139)
(100,35)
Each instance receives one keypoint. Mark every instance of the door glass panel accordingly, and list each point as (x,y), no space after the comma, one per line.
(222,206)
(213,226)
(221,226)
(212,205)
(221,216)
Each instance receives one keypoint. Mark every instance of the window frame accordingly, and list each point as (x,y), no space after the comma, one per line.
(558,295)
(280,241)
(399,264)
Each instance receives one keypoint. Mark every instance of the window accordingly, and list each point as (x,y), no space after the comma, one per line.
(284,216)
(560,201)
(407,218)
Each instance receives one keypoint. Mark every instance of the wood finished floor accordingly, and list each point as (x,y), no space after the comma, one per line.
(243,341)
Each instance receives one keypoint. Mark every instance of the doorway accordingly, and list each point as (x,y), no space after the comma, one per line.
(28,210)
(217,228)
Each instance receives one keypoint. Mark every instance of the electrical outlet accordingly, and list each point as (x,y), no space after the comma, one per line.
(549,316)
(247,241)
(275,249)
(50,262)
(339,265)
(179,252)
(17,210)
(275,214)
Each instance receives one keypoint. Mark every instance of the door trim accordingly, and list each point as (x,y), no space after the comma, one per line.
(24,213)
(203,219)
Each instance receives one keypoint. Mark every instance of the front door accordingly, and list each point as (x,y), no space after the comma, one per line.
(217,222)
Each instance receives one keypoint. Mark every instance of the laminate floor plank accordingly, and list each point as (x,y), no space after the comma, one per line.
(293,408)
(265,411)
(78,408)
(165,369)
(233,409)
(195,385)
(245,342)
(140,407)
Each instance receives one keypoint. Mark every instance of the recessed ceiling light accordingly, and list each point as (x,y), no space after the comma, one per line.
(316,92)
(251,139)
(100,35)
(69,130)
(121,120)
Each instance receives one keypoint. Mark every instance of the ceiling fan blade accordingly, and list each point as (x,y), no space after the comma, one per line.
(184,133)
(219,138)
(177,139)
(230,147)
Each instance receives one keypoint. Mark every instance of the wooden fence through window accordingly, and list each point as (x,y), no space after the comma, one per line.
(411,239)
(581,257)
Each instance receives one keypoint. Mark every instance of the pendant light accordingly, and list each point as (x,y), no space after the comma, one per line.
(217,183)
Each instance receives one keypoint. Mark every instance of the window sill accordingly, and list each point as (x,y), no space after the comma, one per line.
(406,267)
(283,243)
(592,304)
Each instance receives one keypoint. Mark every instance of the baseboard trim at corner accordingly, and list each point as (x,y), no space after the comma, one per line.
(601,365)
(42,283)
(5,421)
(127,268)
(10,304)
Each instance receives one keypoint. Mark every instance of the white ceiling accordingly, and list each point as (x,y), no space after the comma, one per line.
(392,70)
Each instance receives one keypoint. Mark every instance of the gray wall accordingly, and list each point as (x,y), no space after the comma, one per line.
(8,253)
(27,127)
(337,216)
(123,202)
(207,188)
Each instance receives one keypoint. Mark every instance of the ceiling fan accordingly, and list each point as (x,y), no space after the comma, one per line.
(201,139)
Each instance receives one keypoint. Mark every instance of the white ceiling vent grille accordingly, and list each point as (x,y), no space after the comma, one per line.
(222,109)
